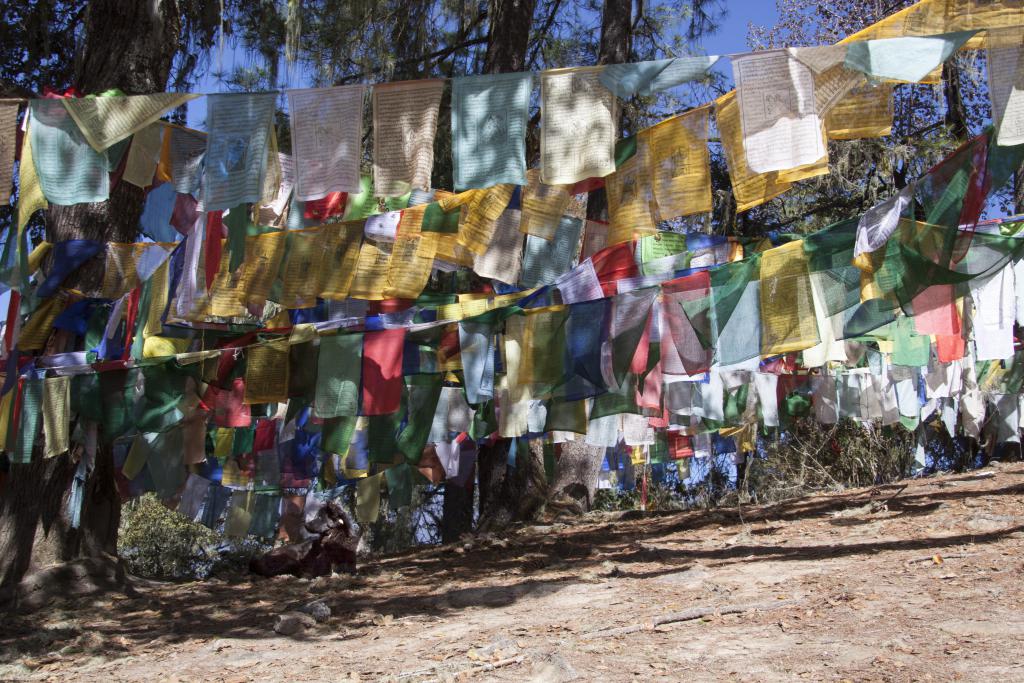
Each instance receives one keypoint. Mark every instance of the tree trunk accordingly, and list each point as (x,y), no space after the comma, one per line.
(131,46)
(956,115)
(507,38)
(577,469)
(576,474)
(514,494)
(508,35)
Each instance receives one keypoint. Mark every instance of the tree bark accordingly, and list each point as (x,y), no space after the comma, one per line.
(956,115)
(131,46)
(576,473)
(515,494)
(508,36)
(578,466)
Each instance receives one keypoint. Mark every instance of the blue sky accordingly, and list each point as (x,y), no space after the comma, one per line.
(732,36)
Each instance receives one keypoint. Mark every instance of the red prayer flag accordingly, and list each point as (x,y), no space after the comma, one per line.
(382,371)
(214,233)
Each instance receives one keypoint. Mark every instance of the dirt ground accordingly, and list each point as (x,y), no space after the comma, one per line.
(883,584)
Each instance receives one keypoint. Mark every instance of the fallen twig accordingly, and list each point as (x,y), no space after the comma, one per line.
(687,615)
(875,507)
(458,675)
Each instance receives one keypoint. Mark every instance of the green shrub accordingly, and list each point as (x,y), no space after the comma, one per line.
(159,543)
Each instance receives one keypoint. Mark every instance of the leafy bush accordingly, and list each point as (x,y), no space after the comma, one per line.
(159,543)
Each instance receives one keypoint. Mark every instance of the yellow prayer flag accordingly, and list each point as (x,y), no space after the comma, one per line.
(138,456)
(5,412)
(480,216)
(56,418)
(250,284)
(266,372)
(866,112)
(449,249)
(39,326)
(542,206)
(105,121)
(30,192)
(159,347)
(157,301)
(630,199)
(368,499)
(371,271)
(302,271)
(677,152)
(788,322)
(223,441)
(412,258)
(339,248)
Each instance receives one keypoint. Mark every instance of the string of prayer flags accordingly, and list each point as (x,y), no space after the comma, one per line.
(404,126)
(69,170)
(8,145)
(578,126)
(909,59)
(648,78)
(489,119)
(106,120)
(239,127)
(327,130)
(781,127)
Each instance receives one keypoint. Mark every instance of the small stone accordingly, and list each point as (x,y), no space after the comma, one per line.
(317,609)
(291,623)
(553,669)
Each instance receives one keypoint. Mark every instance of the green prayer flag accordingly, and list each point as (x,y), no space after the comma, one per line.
(436,220)
(423,393)
(339,369)
(399,480)
(31,400)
